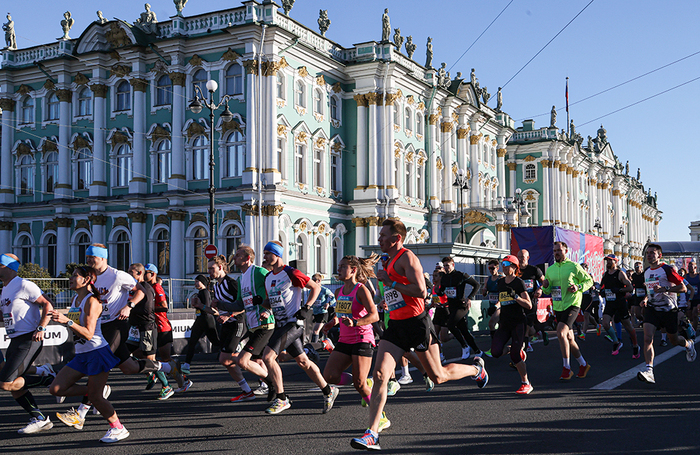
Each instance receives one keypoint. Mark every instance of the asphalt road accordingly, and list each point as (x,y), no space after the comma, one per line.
(574,417)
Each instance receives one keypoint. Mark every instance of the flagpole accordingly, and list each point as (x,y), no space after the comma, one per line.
(568,122)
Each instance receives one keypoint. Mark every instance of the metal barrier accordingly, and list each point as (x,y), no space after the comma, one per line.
(57,290)
(178,292)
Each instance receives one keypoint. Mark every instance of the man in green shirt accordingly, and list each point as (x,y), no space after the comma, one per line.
(565,281)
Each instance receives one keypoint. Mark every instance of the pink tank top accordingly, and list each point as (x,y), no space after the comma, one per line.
(347,305)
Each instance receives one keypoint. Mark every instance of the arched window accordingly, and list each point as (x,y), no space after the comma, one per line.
(25,249)
(164,91)
(85,102)
(200,154)
(123,96)
(335,172)
(420,184)
(282,157)
(397,174)
(409,179)
(200,80)
(82,242)
(300,94)
(280,86)
(530,172)
(164,161)
(51,254)
(84,169)
(200,243)
(27,110)
(124,165)
(51,173)
(122,246)
(319,165)
(235,154)
(397,114)
(336,253)
(26,175)
(318,101)
(232,238)
(320,263)
(485,154)
(300,163)
(52,109)
(335,114)
(407,119)
(301,256)
(234,80)
(163,252)
(419,123)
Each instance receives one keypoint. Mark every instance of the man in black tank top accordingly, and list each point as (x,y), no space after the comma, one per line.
(615,285)
(640,292)
(532,277)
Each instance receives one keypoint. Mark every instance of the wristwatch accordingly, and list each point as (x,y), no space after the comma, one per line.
(69,323)
(41,328)
(130,304)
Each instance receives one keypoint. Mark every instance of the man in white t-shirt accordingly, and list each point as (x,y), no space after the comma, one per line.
(25,313)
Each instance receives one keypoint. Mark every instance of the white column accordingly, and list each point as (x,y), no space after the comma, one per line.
(431,135)
(475,192)
(360,235)
(556,196)
(362,159)
(251,170)
(64,188)
(63,231)
(6,175)
(99,162)
(138,183)
(501,170)
(373,145)
(138,237)
(177,243)
(546,191)
(178,179)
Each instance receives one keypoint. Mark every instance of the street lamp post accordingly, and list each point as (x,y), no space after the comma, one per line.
(461,182)
(520,204)
(597,226)
(196,107)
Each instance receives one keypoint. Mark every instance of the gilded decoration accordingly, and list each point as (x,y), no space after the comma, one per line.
(302,137)
(177,215)
(562,167)
(527,158)
(49,85)
(82,224)
(137,217)
(281,130)
(474,216)
(390,98)
(99,90)
(7,104)
(373,221)
(24,149)
(409,157)
(119,138)
(63,222)
(24,89)
(321,228)
(615,192)
(462,133)
(6,225)
(80,142)
(359,222)
(198,217)
(530,197)
(302,71)
(361,100)
(272,210)
(81,79)
(303,226)
(140,85)
(397,150)
(546,163)
(337,88)
(121,221)
(439,165)
(162,219)
(159,133)
(196,60)
(501,153)
(195,129)
(421,106)
(251,67)
(503,227)
(231,125)
(49,146)
(232,215)
(24,227)
(230,55)
(455,117)
(421,160)
(433,119)
(371,98)
(178,79)
(454,168)
(50,226)
(512,166)
(321,142)
(120,70)
(116,36)
(320,80)
(446,127)
(337,147)
(410,100)
(494,142)
(64,95)
(474,138)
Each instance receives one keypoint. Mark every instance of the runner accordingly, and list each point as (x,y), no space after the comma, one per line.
(26,313)
(532,277)
(284,285)
(640,292)
(409,327)
(660,309)
(453,285)
(93,358)
(514,301)
(615,284)
(590,306)
(204,324)
(565,281)
(491,292)
(693,279)
(325,300)
(442,314)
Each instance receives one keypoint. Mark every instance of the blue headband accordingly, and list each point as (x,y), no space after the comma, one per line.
(151,268)
(9,262)
(274,249)
(96,251)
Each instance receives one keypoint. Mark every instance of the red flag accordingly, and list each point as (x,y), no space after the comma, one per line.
(567,95)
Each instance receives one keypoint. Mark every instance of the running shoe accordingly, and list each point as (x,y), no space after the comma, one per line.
(185,387)
(370,383)
(583,371)
(262,390)
(71,418)
(466,353)
(328,345)
(166,392)
(429,384)
(529,347)
(392,387)
(609,338)
(690,353)
(598,330)
(278,406)
(151,381)
(482,377)
(370,441)
(106,392)
(245,396)
(524,389)
(581,336)
(405,379)
(663,343)
(384,423)
(36,425)
(545,338)
(616,348)
(46,370)
(566,374)
(115,434)
(534,339)
(488,353)
(479,353)
(647,375)
(185,368)
(636,352)
(328,400)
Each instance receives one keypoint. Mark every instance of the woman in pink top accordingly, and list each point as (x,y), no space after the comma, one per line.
(355,312)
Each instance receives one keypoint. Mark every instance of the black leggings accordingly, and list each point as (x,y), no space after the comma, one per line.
(505,332)
(203,325)
(459,328)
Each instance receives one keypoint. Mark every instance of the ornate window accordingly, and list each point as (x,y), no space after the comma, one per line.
(335,172)
(83,158)
(200,154)
(51,172)
(300,94)
(318,101)
(26,175)
(419,123)
(234,80)
(530,173)
(397,173)
(320,248)
(122,246)
(397,114)
(25,249)
(163,252)
(407,119)
(335,114)
(408,182)
(282,157)
(301,256)
(51,254)
(280,86)
(164,91)
(164,168)
(85,102)
(82,243)
(300,163)
(123,96)
(235,154)
(319,164)
(200,243)
(124,165)
(200,80)
(420,184)
(337,251)
(232,239)
(27,110)
(52,107)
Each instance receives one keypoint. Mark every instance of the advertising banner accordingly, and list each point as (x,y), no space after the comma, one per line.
(584,248)
(536,240)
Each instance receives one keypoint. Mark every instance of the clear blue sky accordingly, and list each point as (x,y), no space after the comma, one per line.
(609,43)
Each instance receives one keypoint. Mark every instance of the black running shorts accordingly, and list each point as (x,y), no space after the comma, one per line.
(257,341)
(116,333)
(416,332)
(662,319)
(21,353)
(441,316)
(288,337)
(231,334)
(617,310)
(568,316)
(357,349)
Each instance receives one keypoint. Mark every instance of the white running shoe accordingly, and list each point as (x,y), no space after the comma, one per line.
(646,375)
(690,353)
(185,387)
(405,379)
(46,370)
(262,390)
(35,425)
(466,353)
(115,434)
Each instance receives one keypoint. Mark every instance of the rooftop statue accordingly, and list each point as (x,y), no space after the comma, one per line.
(323,22)
(639,174)
(602,137)
(627,168)
(147,22)
(386,27)
(472,78)
(499,100)
(100,18)
(410,47)
(10,38)
(572,128)
(287,6)
(429,53)
(591,145)
(398,39)
(66,25)
(485,95)
(179,6)
(442,73)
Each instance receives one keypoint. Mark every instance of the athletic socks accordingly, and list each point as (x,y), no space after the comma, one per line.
(581,361)
(613,335)
(244,386)
(116,424)
(31,381)
(165,367)
(326,390)
(567,364)
(29,404)
(663,337)
(83,410)
(367,398)
(404,370)
(282,396)
(314,338)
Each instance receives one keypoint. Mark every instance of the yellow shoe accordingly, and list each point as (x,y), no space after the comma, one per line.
(71,418)
(384,423)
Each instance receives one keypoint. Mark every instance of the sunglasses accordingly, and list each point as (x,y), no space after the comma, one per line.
(506,263)
(492,268)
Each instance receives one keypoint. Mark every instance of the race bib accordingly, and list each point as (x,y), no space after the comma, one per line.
(556,293)
(74,314)
(278,308)
(9,323)
(248,303)
(343,306)
(640,292)
(105,313)
(529,285)
(650,286)
(610,295)
(505,299)
(493,298)
(134,334)
(436,300)
(451,293)
(695,288)
(394,299)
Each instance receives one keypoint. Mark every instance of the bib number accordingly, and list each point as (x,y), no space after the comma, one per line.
(505,299)
(451,293)
(343,307)
(529,285)
(278,308)
(493,298)
(610,295)
(650,286)
(74,314)
(394,299)
(9,323)
(640,292)
(134,334)
(105,313)
(556,293)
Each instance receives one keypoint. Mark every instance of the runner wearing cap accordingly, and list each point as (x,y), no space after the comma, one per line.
(615,285)
(491,293)
(514,301)
(565,281)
